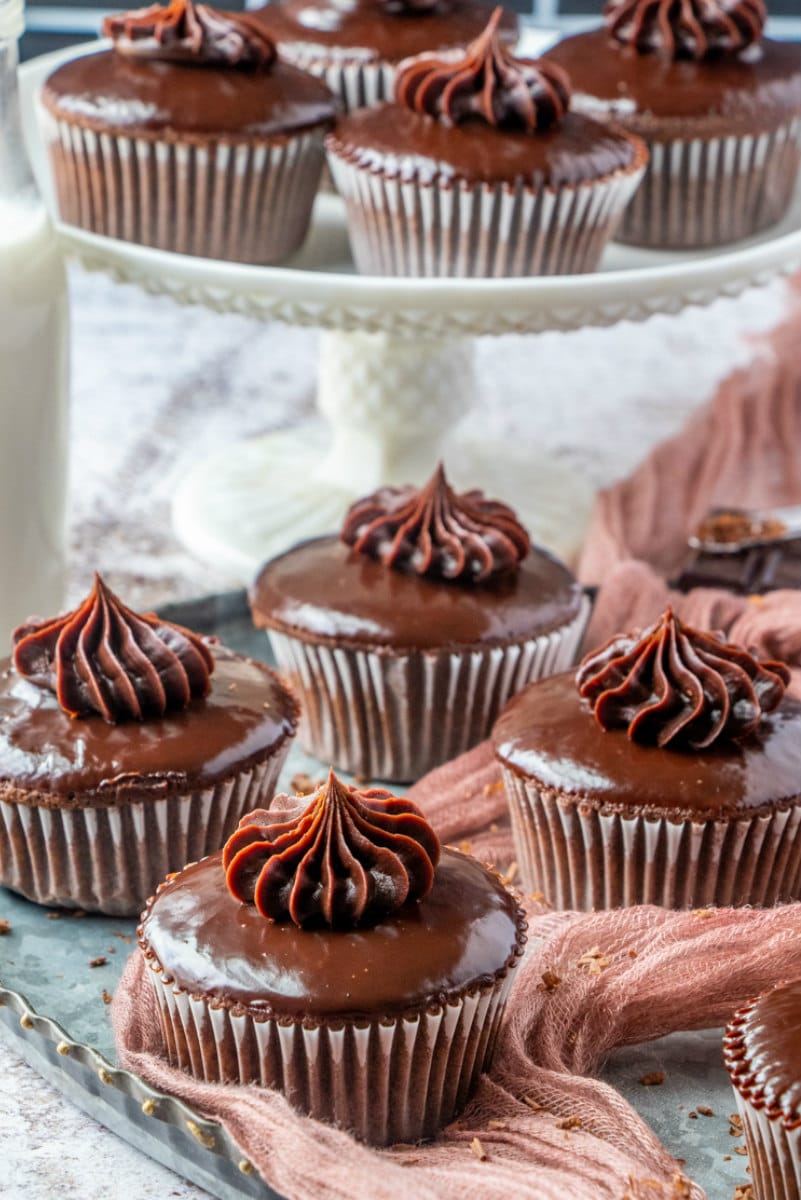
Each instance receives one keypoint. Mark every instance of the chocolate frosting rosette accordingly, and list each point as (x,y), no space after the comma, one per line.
(356,47)
(336,951)
(480,168)
(667,770)
(189,134)
(406,635)
(718,104)
(128,745)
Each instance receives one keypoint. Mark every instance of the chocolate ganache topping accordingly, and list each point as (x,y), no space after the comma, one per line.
(488,84)
(677,685)
(345,858)
(686,28)
(434,531)
(183,31)
(103,658)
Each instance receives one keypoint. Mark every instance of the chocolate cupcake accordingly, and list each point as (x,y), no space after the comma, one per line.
(128,746)
(406,635)
(478,169)
(667,771)
(762,1052)
(189,135)
(349,961)
(718,105)
(356,46)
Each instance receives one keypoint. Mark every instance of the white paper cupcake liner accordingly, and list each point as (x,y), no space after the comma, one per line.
(774,1153)
(582,859)
(111,859)
(400,224)
(358,83)
(241,202)
(390,1079)
(706,192)
(395,716)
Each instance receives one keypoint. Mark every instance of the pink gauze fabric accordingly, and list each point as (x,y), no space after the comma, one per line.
(549,1129)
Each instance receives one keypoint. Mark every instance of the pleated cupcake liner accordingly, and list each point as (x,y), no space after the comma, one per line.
(395,716)
(241,202)
(773,1141)
(585,860)
(387,1079)
(705,192)
(357,83)
(111,859)
(402,224)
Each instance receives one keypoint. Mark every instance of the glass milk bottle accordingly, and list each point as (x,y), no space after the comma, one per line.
(34,361)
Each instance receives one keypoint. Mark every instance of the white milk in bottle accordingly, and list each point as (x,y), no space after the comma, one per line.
(34,331)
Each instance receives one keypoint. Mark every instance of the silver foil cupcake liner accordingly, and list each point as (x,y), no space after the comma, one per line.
(389,1079)
(395,716)
(241,202)
(111,859)
(582,859)
(705,192)
(401,224)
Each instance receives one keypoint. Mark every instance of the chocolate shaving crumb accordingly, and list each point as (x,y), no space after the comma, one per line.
(594,961)
(693,1115)
(489,788)
(532,1104)
(704,1110)
(744,1191)
(632,953)
(740,1150)
(466,846)
(478,1150)
(5,928)
(550,982)
(302,784)
(100,961)
(493,1124)
(509,875)
(735,1119)
(653,1079)
(570,1123)
(704,913)
(54,916)
(727,1158)
(107,996)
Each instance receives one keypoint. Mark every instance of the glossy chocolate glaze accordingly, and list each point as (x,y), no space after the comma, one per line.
(756,90)
(323,590)
(763,1051)
(578,149)
(111,92)
(549,733)
(64,760)
(365,29)
(465,931)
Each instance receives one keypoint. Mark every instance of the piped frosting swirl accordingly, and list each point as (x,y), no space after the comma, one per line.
(105,659)
(677,686)
(489,84)
(185,32)
(436,532)
(686,28)
(344,858)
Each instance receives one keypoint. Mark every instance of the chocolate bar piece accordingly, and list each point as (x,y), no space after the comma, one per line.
(742,552)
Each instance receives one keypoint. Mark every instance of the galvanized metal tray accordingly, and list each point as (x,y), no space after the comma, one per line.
(53,1006)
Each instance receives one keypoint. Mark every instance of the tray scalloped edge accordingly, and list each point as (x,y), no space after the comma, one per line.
(164,1128)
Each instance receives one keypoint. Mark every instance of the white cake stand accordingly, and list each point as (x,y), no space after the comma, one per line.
(395,367)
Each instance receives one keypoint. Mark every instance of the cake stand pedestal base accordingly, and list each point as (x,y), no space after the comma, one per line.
(393,406)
